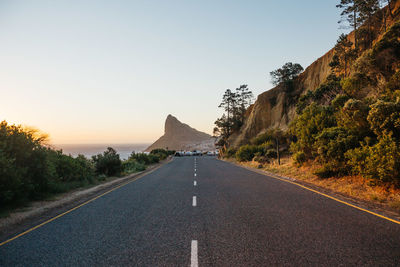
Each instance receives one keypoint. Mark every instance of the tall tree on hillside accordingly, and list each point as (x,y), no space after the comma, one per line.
(229,104)
(368,8)
(286,74)
(244,99)
(351,15)
(235,105)
(343,55)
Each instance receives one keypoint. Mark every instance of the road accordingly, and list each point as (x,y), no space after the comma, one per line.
(208,212)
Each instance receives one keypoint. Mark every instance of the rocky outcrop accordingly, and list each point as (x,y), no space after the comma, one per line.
(277,107)
(180,136)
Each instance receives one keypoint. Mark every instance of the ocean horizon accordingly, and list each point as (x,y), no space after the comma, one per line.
(89,150)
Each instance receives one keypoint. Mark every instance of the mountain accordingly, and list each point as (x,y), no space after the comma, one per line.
(276,108)
(180,136)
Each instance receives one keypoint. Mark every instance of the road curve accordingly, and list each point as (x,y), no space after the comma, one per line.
(205,212)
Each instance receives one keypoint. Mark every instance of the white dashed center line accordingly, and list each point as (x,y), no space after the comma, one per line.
(194,183)
(194,259)
(194,202)
(195,174)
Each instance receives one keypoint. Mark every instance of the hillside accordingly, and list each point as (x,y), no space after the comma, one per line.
(180,136)
(276,108)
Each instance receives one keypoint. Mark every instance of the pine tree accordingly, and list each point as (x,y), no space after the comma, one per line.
(351,14)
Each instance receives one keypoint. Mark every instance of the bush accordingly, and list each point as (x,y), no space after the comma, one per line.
(246,152)
(263,138)
(384,117)
(339,101)
(271,153)
(131,166)
(353,118)
(354,85)
(379,162)
(230,152)
(332,143)
(325,171)
(108,163)
(145,159)
(306,127)
(299,157)
(29,170)
(161,153)
(258,157)
(69,169)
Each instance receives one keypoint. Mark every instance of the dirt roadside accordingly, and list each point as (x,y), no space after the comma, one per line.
(40,211)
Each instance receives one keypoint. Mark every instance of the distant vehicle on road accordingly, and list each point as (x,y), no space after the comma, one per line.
(197,153)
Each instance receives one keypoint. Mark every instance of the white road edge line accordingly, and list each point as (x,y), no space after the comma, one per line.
(194,202)
(195,183)
(194,262)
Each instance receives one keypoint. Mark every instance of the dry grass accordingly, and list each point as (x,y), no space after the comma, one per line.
(355,187)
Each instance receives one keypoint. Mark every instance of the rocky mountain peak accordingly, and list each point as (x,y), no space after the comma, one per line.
(180,136)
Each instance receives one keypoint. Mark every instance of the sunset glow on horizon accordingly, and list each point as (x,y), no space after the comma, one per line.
(110,72)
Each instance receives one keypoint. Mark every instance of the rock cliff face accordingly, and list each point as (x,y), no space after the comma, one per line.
(180,136)
(277,107)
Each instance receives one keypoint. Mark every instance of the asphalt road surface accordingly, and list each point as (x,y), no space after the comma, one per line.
(202,211)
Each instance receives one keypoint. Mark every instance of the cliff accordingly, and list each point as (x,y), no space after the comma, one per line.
(180,136)
(276,108)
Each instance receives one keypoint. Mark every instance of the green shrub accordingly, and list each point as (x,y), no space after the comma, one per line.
(384,117)
(354,85)
(325,171)
(379,162)
(332,143)
(246,152)
(108,163)
(339,101)
(162,153)
(306,127)
(299,157)
(145,159)
(131,166)
(271,153)
(230,152)
(263,138)
(353,118)
(29,170)
(258,157)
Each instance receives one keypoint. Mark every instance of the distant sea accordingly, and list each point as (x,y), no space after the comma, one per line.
(89,150)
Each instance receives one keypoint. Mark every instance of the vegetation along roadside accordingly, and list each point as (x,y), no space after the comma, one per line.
(31,170)
(345,134)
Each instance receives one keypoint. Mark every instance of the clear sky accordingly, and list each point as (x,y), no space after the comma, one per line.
(111,71)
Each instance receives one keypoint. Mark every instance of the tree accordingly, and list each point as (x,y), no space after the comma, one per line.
(235,105)
(286,74)
(108,163)
(367,9)
(343,55)
(244,100)
(351,14)
(384,117)
(229,104)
